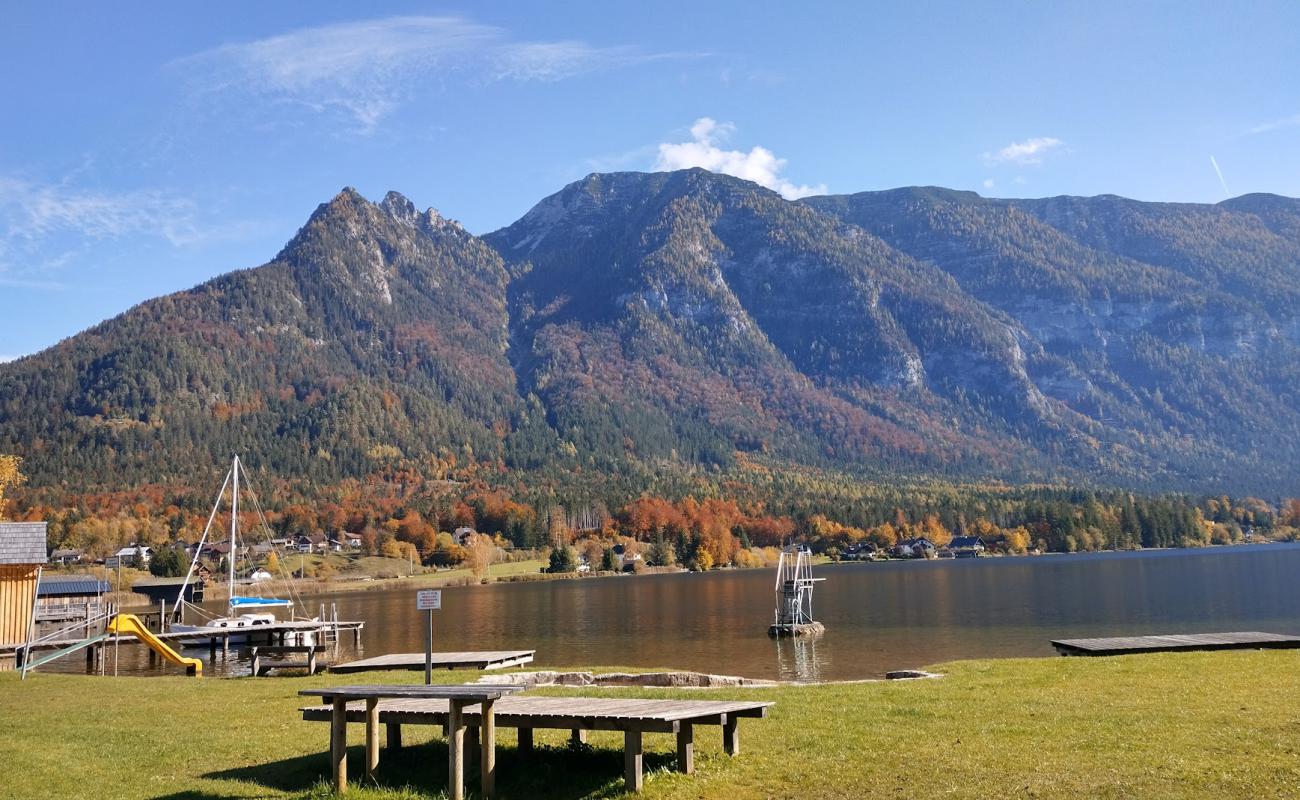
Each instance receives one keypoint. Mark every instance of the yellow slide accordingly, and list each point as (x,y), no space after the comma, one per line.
(130,625)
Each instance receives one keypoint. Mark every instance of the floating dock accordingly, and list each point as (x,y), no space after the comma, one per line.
(1175,643)
(480,659)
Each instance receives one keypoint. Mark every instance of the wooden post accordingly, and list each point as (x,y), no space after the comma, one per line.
(488,752)
(471,746)
(686,749)
(257,663)
(577,736)
(525,740)
(339,744)
(455,750)
(731,735)
(372,735)
(311,661)
(632,760)
(394,738)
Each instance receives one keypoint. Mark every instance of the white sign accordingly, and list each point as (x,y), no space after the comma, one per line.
(428,600)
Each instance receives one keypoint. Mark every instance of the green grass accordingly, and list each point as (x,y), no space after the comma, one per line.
(1209,725)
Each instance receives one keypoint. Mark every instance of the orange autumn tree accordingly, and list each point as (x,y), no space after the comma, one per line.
(10,476)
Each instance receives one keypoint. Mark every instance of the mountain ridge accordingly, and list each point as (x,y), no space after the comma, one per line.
(636,323)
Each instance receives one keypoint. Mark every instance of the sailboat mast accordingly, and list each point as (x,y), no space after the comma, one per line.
(234,517)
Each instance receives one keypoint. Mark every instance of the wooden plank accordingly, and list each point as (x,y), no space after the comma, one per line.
(471,659)
(464,692)
(731,736)
(1122,645)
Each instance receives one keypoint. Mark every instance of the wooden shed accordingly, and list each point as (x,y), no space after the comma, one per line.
(22,554)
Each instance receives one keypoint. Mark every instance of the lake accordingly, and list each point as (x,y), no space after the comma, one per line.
(878,616)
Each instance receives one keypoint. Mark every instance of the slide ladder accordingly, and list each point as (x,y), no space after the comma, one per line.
(60,653)
(130,625)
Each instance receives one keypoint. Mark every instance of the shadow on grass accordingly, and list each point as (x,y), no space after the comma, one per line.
(552,773)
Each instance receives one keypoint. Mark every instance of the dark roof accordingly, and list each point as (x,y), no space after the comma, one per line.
(22,542)
(919,540)
(65,585)
(963,542)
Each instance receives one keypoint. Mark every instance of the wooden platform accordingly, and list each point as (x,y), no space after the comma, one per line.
(473,659)
(1172,643)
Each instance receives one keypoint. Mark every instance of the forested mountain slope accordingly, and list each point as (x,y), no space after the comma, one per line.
(639,324)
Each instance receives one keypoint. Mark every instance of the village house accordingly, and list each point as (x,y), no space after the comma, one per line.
(919,547)
(461,536)
(69,597)
(130,556)
(966,546)
(67,556)
(22,555)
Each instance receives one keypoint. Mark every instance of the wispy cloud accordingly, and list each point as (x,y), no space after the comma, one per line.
(367,69)
(759,164)
(30,211)
(1292,121)
(1029,152)
(1215,162)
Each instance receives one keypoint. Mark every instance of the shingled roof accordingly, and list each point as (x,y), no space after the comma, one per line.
(22,542)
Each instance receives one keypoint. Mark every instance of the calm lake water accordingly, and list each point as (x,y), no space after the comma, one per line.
(878,616)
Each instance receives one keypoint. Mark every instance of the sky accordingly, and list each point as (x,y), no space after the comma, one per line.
(145,148)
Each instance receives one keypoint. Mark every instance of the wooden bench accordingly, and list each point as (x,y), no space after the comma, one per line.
(278,658)
(634,717)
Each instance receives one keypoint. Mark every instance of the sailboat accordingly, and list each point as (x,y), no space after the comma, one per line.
(239,612)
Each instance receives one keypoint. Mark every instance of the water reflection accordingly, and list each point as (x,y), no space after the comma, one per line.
(797,658)
(878,617)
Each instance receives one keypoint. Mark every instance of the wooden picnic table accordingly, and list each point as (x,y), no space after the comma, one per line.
(458,697)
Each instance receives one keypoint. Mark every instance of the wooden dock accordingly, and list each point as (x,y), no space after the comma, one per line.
(479,659)
(1174,643)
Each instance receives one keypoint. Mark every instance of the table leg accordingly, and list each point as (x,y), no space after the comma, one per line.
(525,740)
(632,760)
(372,735)
(394,736)
(686,749)
(339,744)
(731,735)
(455,750)
(488,750)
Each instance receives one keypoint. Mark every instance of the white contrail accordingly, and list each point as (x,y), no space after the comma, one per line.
(1222,182)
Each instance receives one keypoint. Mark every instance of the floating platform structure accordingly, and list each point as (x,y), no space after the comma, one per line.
(1174,643)
(794,590)
(476,659)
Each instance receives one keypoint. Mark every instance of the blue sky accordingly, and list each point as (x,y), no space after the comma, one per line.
(145,148)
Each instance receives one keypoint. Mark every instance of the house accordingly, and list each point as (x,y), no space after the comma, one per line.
(166,590)
(69,597)
(461,536)
(311,542)
(966,546)
(130,556)
(69,556)
(22,555)
(919,547)
(350,540)
(860,551)
(623,558)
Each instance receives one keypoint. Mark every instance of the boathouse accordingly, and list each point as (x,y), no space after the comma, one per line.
(22,554)
(966,546)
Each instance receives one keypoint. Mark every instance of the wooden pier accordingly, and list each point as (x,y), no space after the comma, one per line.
(1174,643)
(211,638)
(480,659)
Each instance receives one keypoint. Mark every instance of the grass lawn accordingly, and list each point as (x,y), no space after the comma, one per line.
(1209,725)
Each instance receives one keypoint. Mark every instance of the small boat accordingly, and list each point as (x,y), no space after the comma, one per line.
(239,614)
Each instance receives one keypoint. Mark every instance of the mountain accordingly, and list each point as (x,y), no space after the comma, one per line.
(633,326)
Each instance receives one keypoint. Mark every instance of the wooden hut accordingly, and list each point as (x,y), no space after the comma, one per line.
(22,554)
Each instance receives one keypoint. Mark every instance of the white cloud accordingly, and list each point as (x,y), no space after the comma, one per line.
(759,165)
(989,183)
(30,211)
(366,69)
(1292,121)
(1028,152)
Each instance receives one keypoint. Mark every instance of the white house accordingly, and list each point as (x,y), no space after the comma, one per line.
(130,556)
